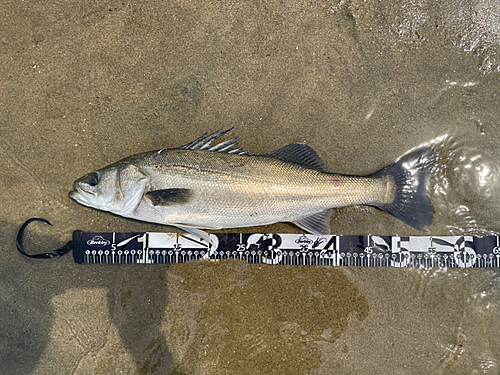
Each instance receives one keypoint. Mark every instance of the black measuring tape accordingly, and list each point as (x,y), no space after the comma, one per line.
(273,248)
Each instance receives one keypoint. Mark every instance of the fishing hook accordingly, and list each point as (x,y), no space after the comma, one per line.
(56,253)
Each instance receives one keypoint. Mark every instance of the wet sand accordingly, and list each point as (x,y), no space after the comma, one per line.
(85,84)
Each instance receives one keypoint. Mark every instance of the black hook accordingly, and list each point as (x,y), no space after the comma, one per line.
(56,253)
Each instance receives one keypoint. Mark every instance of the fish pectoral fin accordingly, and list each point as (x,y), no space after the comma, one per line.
(300,153)
(316,224)
(170,197)
(195,231)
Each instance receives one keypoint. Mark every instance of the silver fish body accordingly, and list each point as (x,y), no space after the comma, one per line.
(212,187)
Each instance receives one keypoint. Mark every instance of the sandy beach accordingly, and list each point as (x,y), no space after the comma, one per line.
(84,84)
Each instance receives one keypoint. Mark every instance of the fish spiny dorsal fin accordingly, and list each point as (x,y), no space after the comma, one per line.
(300,153)
(204,142)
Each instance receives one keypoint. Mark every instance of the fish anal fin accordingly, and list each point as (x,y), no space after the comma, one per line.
(316,224)
(300,153)
(170,197)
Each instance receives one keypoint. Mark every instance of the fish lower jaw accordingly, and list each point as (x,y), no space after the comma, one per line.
(75,195)
(79,198)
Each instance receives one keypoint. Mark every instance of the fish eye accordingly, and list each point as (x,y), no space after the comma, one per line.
(94,179)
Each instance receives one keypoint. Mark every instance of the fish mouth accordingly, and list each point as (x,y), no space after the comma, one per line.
(77,194)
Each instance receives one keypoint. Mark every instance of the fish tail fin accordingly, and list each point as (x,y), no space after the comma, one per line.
(411,202)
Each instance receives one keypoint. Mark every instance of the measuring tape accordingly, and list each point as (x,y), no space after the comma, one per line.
(274,248)
(290,249)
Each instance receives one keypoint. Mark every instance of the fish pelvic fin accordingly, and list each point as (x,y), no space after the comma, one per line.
(204,236)
(410,201)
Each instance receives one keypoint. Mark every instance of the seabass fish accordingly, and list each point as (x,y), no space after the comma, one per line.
(206,186)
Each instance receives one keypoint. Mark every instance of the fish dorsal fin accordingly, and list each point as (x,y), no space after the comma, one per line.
(170,197)
(316,224)
(231,146)
(300,153)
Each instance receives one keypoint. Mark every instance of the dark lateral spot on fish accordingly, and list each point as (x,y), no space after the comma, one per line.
(170,197)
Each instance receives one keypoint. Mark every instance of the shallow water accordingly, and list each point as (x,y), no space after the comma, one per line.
(85,84)
(466,187)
